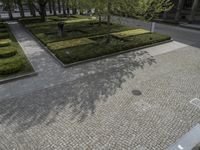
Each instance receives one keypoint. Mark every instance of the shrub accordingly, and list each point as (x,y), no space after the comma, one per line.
(5,42)
(69,43)
(7,52)
(11,65)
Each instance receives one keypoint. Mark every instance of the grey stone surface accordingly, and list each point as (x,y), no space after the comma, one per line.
(92,106)
(188,141)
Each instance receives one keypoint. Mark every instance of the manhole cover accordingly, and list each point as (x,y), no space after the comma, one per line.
(195,102)
(137,92)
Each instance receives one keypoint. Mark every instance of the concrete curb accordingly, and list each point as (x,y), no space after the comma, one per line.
(92,59)
(19,77)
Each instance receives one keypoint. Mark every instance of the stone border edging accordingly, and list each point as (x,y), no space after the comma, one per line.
(15,78)
(92,59)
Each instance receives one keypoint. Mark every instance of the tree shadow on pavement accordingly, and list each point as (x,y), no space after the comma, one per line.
(80,96)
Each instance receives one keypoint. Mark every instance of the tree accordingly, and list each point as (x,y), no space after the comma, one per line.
(21,9)
(40,6)
(151,9)
(8,4)
(59,6)
(31,8)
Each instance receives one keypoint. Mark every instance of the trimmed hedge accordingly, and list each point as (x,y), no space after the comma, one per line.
(69,43)
(7,52)
(11,65)
(5,42)
(127,33)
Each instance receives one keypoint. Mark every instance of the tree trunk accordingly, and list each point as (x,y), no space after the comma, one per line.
(54,8)
(63,7)
(31,8)
(100,20)
(59,6)
(9,10)
(68,9)
(19,3)
(50,7)
(194,11)
(109,21)
(43,13)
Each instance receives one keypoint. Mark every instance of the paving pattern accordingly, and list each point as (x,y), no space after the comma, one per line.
(93,106)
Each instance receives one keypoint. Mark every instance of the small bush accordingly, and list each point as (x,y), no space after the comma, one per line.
(7,52)
(11,65)
(5,42)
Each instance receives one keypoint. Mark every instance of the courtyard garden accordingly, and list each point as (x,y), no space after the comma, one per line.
(13,61)
(86,38)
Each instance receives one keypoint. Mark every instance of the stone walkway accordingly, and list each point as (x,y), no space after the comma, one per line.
(93,106)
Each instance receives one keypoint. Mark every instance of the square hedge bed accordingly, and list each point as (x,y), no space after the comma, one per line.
(13,62)
(86,39)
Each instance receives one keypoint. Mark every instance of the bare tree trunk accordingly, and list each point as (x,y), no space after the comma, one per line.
(100,20)
(109,21)
(63,7)
(68,9)
(59,6)
(31,8)
(42,13)
(9,7)
(50,6)
(19,3)
(54,8)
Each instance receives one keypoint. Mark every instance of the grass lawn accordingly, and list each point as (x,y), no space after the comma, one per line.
(84,38)
(13,62)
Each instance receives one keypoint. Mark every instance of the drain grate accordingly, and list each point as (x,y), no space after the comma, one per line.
(195,102)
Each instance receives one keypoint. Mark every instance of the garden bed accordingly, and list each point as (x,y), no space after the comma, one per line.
(85,39)
(13,62)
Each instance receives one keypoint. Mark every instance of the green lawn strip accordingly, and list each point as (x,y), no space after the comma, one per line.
(98,49)
(69,43)
(79,20)
(13,61)
(127,33)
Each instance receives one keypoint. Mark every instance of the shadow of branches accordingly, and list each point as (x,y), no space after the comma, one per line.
(80,96)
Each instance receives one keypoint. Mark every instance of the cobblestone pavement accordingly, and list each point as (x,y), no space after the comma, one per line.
(93,106)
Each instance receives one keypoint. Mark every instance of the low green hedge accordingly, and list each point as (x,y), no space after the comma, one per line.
(69,43)
(128,33)
(5,42)
(11,65)
(7,52)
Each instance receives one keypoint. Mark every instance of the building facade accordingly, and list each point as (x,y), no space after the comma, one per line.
(186,10)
